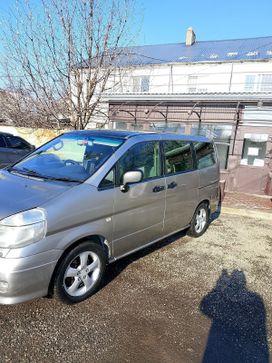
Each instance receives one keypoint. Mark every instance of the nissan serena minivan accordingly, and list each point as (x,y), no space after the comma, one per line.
(89,198)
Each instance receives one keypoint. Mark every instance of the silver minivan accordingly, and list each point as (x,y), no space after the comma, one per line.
(88,198)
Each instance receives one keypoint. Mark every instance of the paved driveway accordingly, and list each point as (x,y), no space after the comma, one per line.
(183,300)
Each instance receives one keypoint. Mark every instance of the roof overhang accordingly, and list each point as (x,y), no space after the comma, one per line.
(246,98)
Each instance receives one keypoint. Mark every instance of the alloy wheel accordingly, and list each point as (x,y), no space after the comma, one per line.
(200,220)
(82,273)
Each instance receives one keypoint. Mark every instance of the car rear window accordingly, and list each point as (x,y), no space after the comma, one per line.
(178,156)
(205,154)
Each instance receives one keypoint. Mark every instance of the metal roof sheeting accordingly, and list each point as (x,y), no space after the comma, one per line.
(178,97)
(200,51)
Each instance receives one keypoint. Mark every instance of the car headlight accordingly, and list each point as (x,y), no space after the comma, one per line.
(23,228)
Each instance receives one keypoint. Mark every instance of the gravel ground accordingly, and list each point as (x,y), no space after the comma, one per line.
(182,300)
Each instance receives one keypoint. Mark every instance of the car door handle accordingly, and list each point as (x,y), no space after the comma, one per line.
(158,188)
(172,185)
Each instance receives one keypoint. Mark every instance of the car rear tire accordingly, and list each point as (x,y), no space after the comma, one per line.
(200,221)
(80,273)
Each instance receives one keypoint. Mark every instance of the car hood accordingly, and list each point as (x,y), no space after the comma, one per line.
(18,193)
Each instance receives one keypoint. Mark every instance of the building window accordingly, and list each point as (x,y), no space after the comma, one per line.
(136,84)
(120,125)
(258,83)
(192,83)
(265,83)
(202,90)
(221,135)
(145,84)
(168,127)
(249,83)
(136,126)
(140,84)
(222,148)
(254,149)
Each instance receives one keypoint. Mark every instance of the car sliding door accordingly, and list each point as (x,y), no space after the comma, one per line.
(209,174)
(182,184)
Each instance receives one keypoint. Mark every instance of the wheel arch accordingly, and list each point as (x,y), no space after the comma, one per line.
(207,201)
(100,240)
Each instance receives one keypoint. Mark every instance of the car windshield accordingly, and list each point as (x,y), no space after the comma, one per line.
(70,157)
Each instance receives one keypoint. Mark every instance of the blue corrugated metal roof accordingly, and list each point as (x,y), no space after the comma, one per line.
(200,51)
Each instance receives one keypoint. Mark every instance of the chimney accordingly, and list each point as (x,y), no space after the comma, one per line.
(190,37)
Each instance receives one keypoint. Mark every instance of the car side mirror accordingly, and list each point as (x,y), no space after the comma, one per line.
(131,177)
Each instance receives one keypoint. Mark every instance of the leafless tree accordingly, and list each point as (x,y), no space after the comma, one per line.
(60,54)
(16,113)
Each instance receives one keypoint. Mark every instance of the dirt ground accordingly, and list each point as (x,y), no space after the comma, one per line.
(248,201)
(183,300)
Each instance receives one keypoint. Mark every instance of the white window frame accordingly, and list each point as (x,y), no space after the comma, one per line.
(140,84)
(258,161)
(261,82)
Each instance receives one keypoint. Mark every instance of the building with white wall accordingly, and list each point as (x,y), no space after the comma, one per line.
(220,88)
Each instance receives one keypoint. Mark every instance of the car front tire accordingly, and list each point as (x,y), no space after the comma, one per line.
(80,273)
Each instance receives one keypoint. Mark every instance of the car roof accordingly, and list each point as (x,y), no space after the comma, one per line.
(196,138)
(5,133)
(107,133)
(129,134)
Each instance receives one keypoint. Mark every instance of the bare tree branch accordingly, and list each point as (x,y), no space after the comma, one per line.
(58,60)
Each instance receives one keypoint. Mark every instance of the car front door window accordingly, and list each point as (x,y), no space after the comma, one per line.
(144,156)
(108,181)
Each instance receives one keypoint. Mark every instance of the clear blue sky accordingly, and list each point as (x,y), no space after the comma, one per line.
(165,21)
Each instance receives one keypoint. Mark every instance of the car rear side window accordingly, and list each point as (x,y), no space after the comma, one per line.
(205,154)
(144,156)
(17,143)
(178,156)
(2,142)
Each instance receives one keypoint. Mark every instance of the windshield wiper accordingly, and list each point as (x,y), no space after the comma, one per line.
(34,173)
(61,179)
(26,172)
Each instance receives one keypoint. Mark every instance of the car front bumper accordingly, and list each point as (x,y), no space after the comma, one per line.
(23,279)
